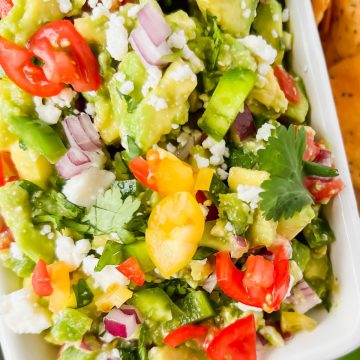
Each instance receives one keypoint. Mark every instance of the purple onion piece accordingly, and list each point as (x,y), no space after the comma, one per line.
(243,126)
(67,169)
(90,129)
(210,283)
(324,157)
(238,247)
(77,157)
(119,324)
(131,310)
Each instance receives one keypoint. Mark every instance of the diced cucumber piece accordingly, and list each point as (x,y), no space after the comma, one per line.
(241,176)
(214,242)
(317,268)
(262,231)
(74,353)
(301,254)
(297,112)
(217,187)
(319,233)
(226,102)
(139,251)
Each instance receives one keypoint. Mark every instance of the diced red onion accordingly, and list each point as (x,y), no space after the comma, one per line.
(72,164)
(77,157)
(238,247)
(77,135)
(131,310)
(146,49)
(154,24)
(324,157)
(119,324)
(261,338)
(244,125)
(303,297)
(210,283)
(282,241)
(89,129)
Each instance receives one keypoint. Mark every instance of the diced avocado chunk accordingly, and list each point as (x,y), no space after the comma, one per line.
(214,242)
(181,20)
(292,322)
(226,102)
(241,176)
(317,268)
(75,353)
(92,29)
(301,254)
(162,107)
(153,304)
(262,231)
(139,251)
(233,16)
(182,352)
(236,211)
(21,267)
(268,24)
(297,112)
(289,228)
(16,210)
(319,233)
(70,325)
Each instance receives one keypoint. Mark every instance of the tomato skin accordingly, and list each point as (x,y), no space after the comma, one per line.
(323,190)
(287,84)
(185,333)
(132,270)
(6,239)
(7,169)
(5,7)
(16,62)
(263,284)
(235,342)
(68,58)
(141,171)
(41,279)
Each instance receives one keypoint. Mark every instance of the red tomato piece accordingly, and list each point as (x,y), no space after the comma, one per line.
(235,342)
(287,84)
(5,7)
(132,270)
(67,56)
(7,169)
(312,149)
(41,281)
(263,284)
(6,239)
(141,171)
(185,333)
(322,189)
(17,64)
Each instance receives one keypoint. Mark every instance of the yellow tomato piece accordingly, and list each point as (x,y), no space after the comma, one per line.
(203,179)
(60,281)
(175,228)
(114,296)
(30,166)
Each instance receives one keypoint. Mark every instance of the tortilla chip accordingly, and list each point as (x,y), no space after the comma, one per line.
(343,39)
(325,25)
(345,80)
(319,8)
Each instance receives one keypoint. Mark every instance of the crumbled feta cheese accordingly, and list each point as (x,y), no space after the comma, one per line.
(133,10)
(65,6)
(229,227)
(264,132)
(116,37)
(157,103)
(201,162)
(100,10)
(127,87)
(177,39)
(22,314)
(106,277)
(218,151)
(83,189)
(249,194)
(263,68)
(246,308)
(100,250)
(46,229)
(247,13)
(63,99)
(183,138)
(196,64)
(259,47)
(120,76)
(276,17)
(285,15)
(15,251)
(171,148)
(182,73)
(71,253)
(90,109)
(222,174)
(175,126)
(49,113)
(154,76)
(274,33)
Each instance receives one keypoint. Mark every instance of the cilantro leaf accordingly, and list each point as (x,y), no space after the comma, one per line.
(112,212)
(111,255)
(216,35)
(284,193)
(83,294)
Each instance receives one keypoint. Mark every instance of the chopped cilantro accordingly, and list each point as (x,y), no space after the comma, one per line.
(216,35)
(83,294)
(284,193)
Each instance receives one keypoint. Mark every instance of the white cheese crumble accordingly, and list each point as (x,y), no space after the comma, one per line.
(90,109)
(15,251)
(285,15)
(116,37)
(201,162)
(222,173)
(264,132)
(46,229)
(22,314)
(247,13)
(249,194)
(171,148)
(127,87)
(259,47)
(229,227)
(133,10)
(218,151)
(263,68)
(64,98)
(196,64)
(182,73)
(106,277)
(183,138)
(154,76)
(177,39)
(157,103)
(71,253)
(83,189)
(246,308)
(65,6)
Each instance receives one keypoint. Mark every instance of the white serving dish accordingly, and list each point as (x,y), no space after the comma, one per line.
(338,332)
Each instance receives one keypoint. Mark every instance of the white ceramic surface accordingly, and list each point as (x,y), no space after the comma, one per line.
(338,332)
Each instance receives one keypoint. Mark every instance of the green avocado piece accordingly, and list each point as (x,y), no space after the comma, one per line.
(268,24)
(138,250)
(318,233)
(162,107)
(182,352)
(289,228)
(317,268)
(262,231)
(301,254)
(214,242)
(16,211)
(21,267)
(233,16)
(296,113)
(75,353)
